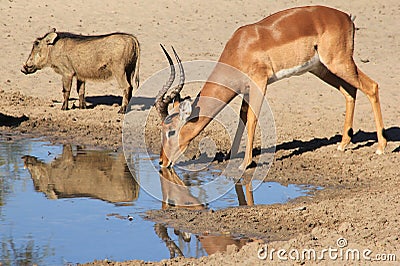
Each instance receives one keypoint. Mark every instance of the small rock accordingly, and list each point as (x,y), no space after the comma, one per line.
(345,227)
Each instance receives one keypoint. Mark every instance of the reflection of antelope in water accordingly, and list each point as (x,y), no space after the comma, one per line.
(177,194)
(92,174)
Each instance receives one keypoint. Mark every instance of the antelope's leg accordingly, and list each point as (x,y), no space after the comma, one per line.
(370,88)
(346,69)
(350,97)
(256,97)
(349,92)
(241,125)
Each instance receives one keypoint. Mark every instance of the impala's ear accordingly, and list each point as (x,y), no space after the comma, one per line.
(185,109)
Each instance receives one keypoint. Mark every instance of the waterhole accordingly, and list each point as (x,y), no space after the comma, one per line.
(62,204)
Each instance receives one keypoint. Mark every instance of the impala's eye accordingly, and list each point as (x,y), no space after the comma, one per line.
(171,133)
(167,120)
(170,118)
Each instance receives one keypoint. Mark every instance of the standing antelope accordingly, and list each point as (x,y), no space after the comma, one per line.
(314,39)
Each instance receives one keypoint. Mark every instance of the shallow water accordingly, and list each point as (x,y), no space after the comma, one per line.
(73,205)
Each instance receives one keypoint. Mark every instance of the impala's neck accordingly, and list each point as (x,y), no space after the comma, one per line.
(208,103)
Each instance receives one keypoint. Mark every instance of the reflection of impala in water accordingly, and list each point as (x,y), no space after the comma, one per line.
(88,174)
(176,194)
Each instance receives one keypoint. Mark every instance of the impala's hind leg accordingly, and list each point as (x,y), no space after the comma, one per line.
(346,69)
(370,88)
(349,92)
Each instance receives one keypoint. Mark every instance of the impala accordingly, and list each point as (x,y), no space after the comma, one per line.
(314,39)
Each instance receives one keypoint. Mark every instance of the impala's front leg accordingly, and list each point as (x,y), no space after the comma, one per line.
(256,98)
(241,125)
(251,128)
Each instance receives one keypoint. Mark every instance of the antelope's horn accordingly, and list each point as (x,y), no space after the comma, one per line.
(163,100)
(162,103)
(175,94)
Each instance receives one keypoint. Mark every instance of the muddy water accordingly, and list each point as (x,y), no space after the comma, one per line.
(66,204)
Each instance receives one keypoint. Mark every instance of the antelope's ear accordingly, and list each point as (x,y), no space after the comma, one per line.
(50,38)
(185,109)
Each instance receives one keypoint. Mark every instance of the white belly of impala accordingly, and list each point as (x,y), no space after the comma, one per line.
(307,66)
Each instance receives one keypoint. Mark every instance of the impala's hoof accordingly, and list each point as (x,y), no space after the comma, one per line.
(243,166)
(122,110)
(341,147)
(379,151)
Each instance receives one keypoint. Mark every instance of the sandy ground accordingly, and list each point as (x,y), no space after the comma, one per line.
(361,199)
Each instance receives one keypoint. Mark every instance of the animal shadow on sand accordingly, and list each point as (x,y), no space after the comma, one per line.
(103,100)
(361,138)
(141,103)
(138,103)
(11,121)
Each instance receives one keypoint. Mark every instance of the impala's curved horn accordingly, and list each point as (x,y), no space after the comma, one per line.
(162,103)
(163,100)
(175,94)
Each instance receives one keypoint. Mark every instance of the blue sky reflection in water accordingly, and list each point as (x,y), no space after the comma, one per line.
(78,207)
